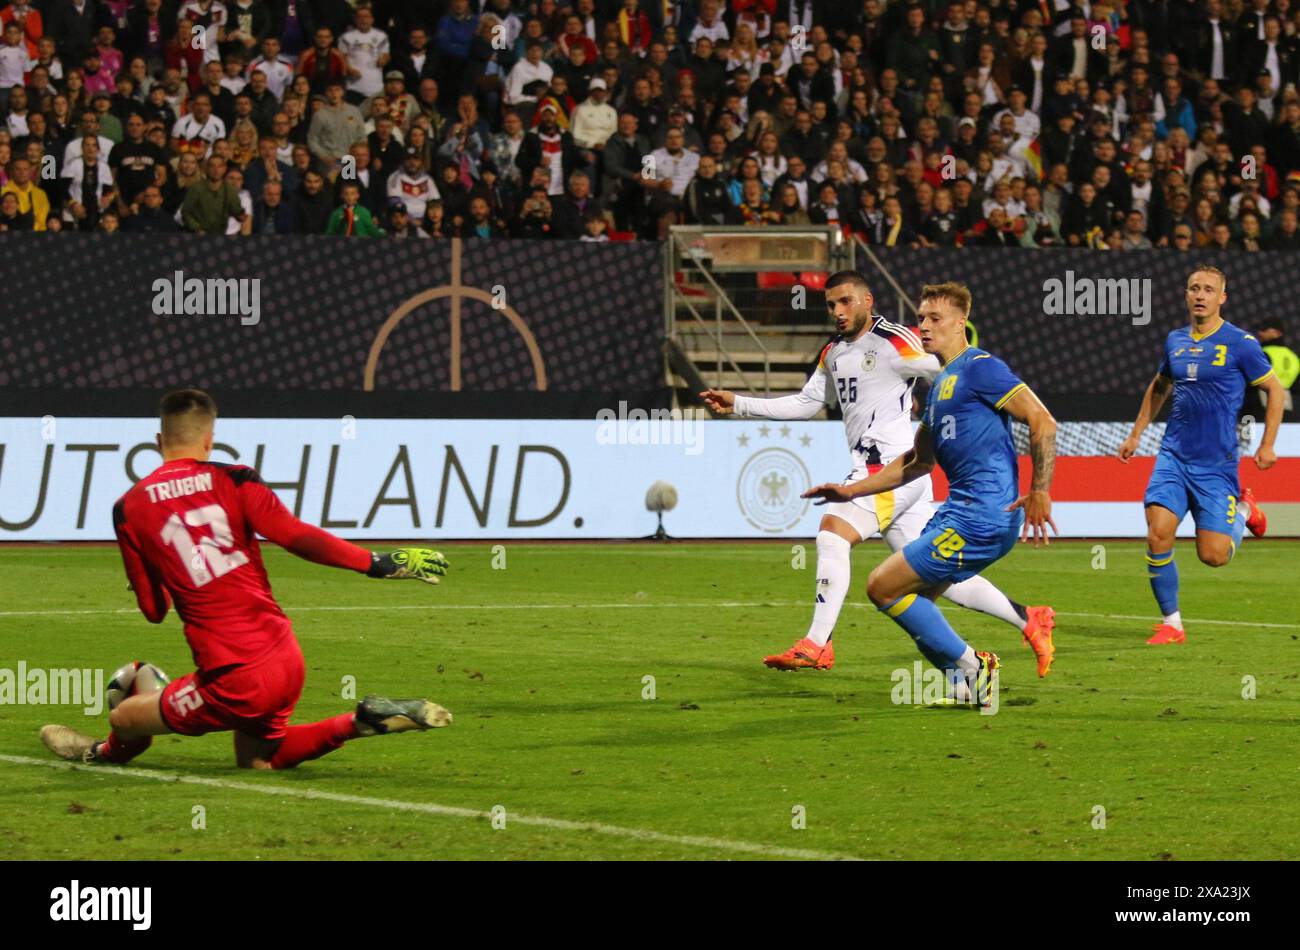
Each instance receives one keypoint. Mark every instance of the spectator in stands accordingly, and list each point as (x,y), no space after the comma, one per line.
(32,200)
(272,214)
(528,75)
(412,184)
(89,187)
(454,32)
(351,218)
(11,218)
(334,126)
(570,211)
(323,62)
(825,210)
(593,122)
(268,167)
(436,223)
(455,196)
(399,224)
(535,215)
(367,52)
(478,222)
(788,206)
(1286,233)
(1005,94)
(671,170)
(147,215)
(706,200)
(212,202)
(312,204)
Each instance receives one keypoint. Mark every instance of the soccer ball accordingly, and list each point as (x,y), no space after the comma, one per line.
(133,678)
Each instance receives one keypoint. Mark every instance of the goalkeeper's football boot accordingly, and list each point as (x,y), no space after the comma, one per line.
(1038,634)
(804,655)
(68,743)
(1257,523)
(377,716)
(985,683)
(1167,633)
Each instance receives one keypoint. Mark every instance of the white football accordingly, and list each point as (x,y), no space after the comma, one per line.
(135,677)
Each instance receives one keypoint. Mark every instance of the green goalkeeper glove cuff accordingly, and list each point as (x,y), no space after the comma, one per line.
(422,564)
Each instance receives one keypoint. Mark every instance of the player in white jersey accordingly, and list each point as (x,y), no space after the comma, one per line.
(869,369)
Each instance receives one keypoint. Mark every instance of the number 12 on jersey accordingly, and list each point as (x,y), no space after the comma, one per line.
(204,560)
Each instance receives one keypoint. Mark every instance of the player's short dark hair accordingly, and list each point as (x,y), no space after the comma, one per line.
(954,293)
(847,277)
(187,415)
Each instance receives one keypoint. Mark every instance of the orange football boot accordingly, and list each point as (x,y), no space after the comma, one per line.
(1038,634)
(1167,633)
(804,655)
(1257,524)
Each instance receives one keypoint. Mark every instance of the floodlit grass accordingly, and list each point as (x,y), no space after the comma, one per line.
(544,665)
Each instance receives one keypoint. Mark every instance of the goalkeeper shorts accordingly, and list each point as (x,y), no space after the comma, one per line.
(255,698)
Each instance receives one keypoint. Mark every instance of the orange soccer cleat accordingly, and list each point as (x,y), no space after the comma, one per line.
(804,655)
(1257,524)
(1038,634)
(1167,633)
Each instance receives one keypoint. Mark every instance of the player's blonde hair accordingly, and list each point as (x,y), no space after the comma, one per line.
(1210,269)
(956,294)
(187,416)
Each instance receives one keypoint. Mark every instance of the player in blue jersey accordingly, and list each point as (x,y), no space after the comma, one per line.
(966,429)
(1208,365)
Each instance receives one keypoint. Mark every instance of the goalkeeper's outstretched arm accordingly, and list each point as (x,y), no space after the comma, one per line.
(271,519)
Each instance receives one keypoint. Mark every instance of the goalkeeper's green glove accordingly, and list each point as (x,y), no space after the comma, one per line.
(423,564)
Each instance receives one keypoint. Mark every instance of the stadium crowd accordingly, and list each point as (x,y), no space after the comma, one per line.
(1117,124)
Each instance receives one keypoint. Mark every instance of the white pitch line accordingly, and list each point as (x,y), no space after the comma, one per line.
(706,605)
(449,811)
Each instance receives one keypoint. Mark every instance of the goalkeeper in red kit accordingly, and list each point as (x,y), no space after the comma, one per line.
(188,537)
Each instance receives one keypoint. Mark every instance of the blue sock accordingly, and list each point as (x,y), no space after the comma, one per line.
(934,636)
(1164,580)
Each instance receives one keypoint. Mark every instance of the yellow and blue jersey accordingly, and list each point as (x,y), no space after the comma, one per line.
(1210,375)
(971,434)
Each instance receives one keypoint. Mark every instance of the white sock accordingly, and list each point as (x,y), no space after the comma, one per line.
(1174,620)
(967,663)
(978,594)
(958,688)
(833,568)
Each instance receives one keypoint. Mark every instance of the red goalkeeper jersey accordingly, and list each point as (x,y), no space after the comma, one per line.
(188,536)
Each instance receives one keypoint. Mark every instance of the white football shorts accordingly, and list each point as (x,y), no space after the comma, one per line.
(899,516)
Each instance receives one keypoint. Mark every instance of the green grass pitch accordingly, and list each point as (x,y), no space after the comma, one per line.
(543,664)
